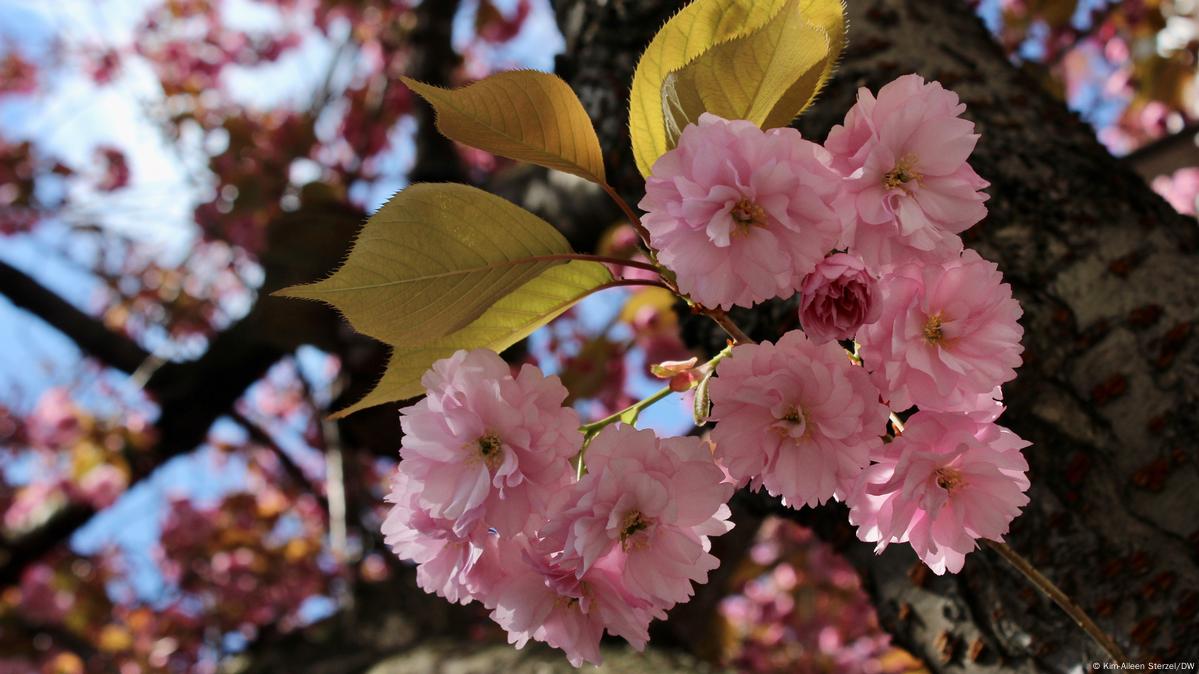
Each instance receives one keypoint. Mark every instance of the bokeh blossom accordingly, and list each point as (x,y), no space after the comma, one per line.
(796,415)
(945,482)
(741,215)
(904,155)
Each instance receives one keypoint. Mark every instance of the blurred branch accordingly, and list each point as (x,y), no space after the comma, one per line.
(259,434)
(192,395)
(433,62)
(1166,155)
(88,332)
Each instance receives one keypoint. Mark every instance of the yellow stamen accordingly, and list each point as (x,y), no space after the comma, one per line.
(903,173)
(932,330)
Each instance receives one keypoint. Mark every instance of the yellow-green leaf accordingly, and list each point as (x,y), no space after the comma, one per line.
(433,259)
(510,320)
(829,16)
(767,77)
(693,31)
(523,114)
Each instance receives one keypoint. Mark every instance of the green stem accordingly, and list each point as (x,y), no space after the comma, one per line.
(636,408)
(1053,592)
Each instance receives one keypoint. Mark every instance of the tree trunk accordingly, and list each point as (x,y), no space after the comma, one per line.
(1109,389)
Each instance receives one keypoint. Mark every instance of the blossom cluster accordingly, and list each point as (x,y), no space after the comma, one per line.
(485,501)
(865,228)
(896,314)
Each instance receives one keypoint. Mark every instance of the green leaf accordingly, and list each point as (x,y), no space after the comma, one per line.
(510,320)
(433,259)
(767,77)
(525,115)
(693,31)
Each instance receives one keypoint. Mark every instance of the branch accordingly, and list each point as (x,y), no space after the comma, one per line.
(433,62)
(88,332)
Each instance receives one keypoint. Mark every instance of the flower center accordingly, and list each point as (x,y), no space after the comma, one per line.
(491,450)
(932,330)
(903,173)
(793,423)
(747,214)
(633,523)
(949,479)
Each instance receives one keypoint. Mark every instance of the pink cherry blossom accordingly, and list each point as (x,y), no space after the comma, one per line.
(904,154)
(449,565)
(839,297)
(543,601)
(798,414)
(487,446)
(949,334)
(945,482)
(646,506)
(739,214)
(1181,189)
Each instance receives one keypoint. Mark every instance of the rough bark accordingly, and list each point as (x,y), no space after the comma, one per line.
(1109,387)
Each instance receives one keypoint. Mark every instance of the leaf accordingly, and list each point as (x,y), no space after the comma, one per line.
(767,77)
(523,114)
(433,259)
(693,31)
(828,15)
(510,320)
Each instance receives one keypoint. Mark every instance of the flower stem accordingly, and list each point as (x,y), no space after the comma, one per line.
(630,214)
(722,319)
(597,258)
(1053,592)
(632,411)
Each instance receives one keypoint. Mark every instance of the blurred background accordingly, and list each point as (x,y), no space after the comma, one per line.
(173,497)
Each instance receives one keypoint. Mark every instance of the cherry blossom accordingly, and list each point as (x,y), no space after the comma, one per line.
(741,215)
(486,446)
(948,335)
(646,507)
(945,482)
(839,297)
(904,155)
(796,416)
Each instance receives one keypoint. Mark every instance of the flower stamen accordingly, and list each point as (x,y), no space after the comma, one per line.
(746,213)
(903,173)
(491,450)
(932,330)
(632,523)
(949,479)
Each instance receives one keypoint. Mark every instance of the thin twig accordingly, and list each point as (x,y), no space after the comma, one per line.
(1053,592)
(722,319)
(629,213)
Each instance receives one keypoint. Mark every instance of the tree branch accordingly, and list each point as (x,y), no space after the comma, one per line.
(88,332)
